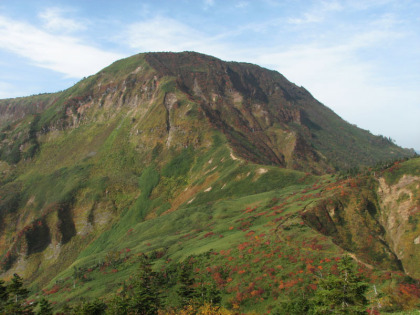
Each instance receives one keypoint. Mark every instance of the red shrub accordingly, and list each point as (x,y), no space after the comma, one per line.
(208,234)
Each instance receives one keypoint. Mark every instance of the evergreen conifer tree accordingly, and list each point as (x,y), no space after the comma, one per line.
(208,293)
(4,295)
(16,294)
(146,295)
(342,294)
(186,291)
(45,307)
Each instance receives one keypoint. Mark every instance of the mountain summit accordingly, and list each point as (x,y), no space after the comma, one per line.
(179,154)
(269,119)
(266,118)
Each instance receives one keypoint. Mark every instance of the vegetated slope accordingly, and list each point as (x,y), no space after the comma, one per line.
(277,232)
(174,153)
(266,118)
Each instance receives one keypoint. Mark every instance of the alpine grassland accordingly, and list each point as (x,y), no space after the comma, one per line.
(177,183)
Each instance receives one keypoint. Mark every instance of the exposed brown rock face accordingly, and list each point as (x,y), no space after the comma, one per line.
(400,205)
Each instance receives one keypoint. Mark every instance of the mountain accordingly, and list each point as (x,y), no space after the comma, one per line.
(265,118)
(179,154)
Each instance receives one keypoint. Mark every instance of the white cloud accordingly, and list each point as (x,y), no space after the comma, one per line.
(161,34)
(166,34)
(63,54)
(54,21)
(318,13)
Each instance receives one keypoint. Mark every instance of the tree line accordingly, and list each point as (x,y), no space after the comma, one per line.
(341,293)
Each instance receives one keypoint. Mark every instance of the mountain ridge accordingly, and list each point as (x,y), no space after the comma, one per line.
(250,104)
(197,158)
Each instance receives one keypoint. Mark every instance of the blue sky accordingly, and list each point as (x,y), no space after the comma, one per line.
(359,57)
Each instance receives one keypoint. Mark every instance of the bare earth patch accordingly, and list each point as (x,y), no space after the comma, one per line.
(261,171)
(233,157)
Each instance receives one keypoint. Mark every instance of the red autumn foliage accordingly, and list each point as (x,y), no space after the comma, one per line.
(334,269)
(244,245)
(249,210)
(53,290)
(310,268)
(409,289)
(218,279)
(257,292)
(208,234)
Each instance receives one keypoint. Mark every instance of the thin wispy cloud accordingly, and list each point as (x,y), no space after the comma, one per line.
(61,53)
(161,34)
(54,20)
(318,13)
(167,34)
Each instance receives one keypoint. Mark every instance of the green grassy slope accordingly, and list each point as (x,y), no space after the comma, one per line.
(182,154)
(261,246)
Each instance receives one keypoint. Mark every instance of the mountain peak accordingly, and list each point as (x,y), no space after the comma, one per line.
(266,118)
(172,154)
